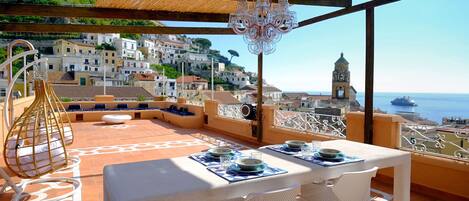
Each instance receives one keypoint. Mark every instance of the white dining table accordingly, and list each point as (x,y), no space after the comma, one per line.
(182,178)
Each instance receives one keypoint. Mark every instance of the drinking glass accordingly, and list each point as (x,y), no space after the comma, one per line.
(315,145)
(256,155)
(225,161)
(305,150)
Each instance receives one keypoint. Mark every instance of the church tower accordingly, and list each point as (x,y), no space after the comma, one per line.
(341,79)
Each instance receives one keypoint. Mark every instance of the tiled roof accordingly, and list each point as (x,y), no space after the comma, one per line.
(222,97)
(190,78)
(265,88)
(319,97)
(92,91)
(143,76)
(295,95)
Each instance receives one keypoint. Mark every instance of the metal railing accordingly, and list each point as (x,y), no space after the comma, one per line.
(441,141)
(232,111)
(311,122)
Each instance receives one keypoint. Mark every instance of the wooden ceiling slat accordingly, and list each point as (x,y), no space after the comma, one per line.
(203,6)
(79,28)
(115,13)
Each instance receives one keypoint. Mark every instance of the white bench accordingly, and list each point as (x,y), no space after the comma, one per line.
(116,118)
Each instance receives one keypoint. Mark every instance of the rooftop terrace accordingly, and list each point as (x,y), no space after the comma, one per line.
(98,144)
(154,136)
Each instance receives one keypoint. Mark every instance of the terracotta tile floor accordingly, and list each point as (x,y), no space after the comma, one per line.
(98,145)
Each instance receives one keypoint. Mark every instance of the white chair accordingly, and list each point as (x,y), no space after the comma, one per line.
(286,194)
(351,186)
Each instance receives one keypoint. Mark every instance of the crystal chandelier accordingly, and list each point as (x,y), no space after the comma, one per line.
(263,25)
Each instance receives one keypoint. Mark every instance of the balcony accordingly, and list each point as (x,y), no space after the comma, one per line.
(156,134)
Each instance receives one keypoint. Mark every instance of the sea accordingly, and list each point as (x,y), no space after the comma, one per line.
(432,106)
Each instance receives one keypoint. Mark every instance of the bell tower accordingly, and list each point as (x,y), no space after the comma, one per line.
(341,79)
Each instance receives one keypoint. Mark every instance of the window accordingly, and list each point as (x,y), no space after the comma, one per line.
(3,92)
(106,61)
(68,49)
(89,51)
(81,51)
(96,61)
(112,61)
(95,69)
(86,61)
(86,67)
(113,54)
(127,72)
(51,66)
(82,81)
(72,67)
(112,70)
(92,37)
(58,50)
(135,65)
(106,53)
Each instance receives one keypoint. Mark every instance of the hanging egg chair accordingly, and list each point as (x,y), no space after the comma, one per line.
(65,124)
(35,144)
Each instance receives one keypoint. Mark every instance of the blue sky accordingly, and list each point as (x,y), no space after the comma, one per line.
(420,46)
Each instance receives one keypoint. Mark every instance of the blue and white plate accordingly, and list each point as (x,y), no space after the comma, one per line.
(236,169)
(338,158)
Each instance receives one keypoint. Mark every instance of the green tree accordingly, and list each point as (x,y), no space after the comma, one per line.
(105,46)
(141,98)
(169,71)
(233,53)
(203,43)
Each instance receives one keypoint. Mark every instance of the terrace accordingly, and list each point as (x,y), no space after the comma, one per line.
(439,165)
(158,134)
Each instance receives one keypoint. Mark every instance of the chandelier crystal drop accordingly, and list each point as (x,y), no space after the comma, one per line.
(263,25)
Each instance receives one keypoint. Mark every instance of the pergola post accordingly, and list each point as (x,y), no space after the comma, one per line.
(369,75)
(259,97)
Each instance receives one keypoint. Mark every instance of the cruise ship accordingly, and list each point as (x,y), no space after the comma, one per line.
(404,101)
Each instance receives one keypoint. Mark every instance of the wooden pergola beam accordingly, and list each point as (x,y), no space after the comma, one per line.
(369,74)
(133,14)
(79,28)
(331,3)
(111,13)
(345,11)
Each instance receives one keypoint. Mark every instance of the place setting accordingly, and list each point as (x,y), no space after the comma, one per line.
(312,152)
(242,167)
(214,156)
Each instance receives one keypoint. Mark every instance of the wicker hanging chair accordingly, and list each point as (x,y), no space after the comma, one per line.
(35,144)
(64,118)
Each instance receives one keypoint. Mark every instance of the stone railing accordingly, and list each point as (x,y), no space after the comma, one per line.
(311,122)
(232,111)
(436,140)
